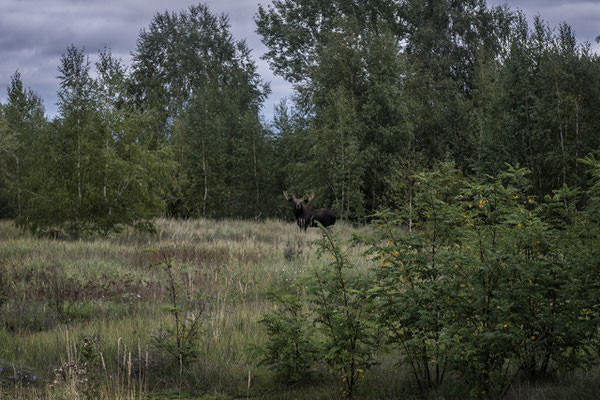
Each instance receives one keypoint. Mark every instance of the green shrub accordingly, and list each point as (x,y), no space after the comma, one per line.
(337,330)
(186,306)
(291,351)
(484,286)
(339,298)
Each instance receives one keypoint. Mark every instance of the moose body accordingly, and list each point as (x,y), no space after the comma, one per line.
(307,216)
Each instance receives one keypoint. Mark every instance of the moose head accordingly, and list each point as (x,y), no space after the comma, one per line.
(298,203)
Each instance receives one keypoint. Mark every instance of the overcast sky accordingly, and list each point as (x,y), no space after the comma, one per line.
(34,33)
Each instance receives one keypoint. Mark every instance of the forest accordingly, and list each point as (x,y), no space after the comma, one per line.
(382,90)
(141,234)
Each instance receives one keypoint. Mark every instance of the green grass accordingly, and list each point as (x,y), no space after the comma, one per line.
(56,294)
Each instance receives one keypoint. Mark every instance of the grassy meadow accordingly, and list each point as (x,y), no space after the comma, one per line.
(112,292)
(82,319)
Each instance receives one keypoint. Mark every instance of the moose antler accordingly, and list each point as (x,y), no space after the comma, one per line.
(312,196)
(286,195)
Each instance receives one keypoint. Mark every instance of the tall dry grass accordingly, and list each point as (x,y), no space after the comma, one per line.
(58,295)
(80,316)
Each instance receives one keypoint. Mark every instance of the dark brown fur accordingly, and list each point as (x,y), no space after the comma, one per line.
(307,216)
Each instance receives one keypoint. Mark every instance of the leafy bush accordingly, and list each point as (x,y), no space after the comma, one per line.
(335,326)
(181,340)
(292,350)
(475,281)
(483,286)
(339,296)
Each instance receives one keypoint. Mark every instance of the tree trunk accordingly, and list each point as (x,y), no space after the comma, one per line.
(561,137)
(19,206)
(79,188)
(255,175)
(205,173)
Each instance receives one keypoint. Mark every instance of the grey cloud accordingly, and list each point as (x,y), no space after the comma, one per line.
(582,16)
(34,33)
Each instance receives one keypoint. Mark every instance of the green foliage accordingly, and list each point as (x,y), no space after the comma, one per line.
(23,121)
(7,144)
(356,121)
(91,171)
(296,30)
(291,154)
(223,147)
(343,315)
(186,306)
(337,157)
(208,55)
(443,81)
(206,106)
(412,270)
(292,350)
(483,286)
(104,286)
(483,272)
(337,307)
(383,89)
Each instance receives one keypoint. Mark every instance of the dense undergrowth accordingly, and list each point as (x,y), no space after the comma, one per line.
(475,288)
(492,293)
(95,318)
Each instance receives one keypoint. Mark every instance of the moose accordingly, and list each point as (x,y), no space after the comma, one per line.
(307,216)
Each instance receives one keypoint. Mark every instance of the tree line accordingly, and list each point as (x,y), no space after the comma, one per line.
(382,90)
